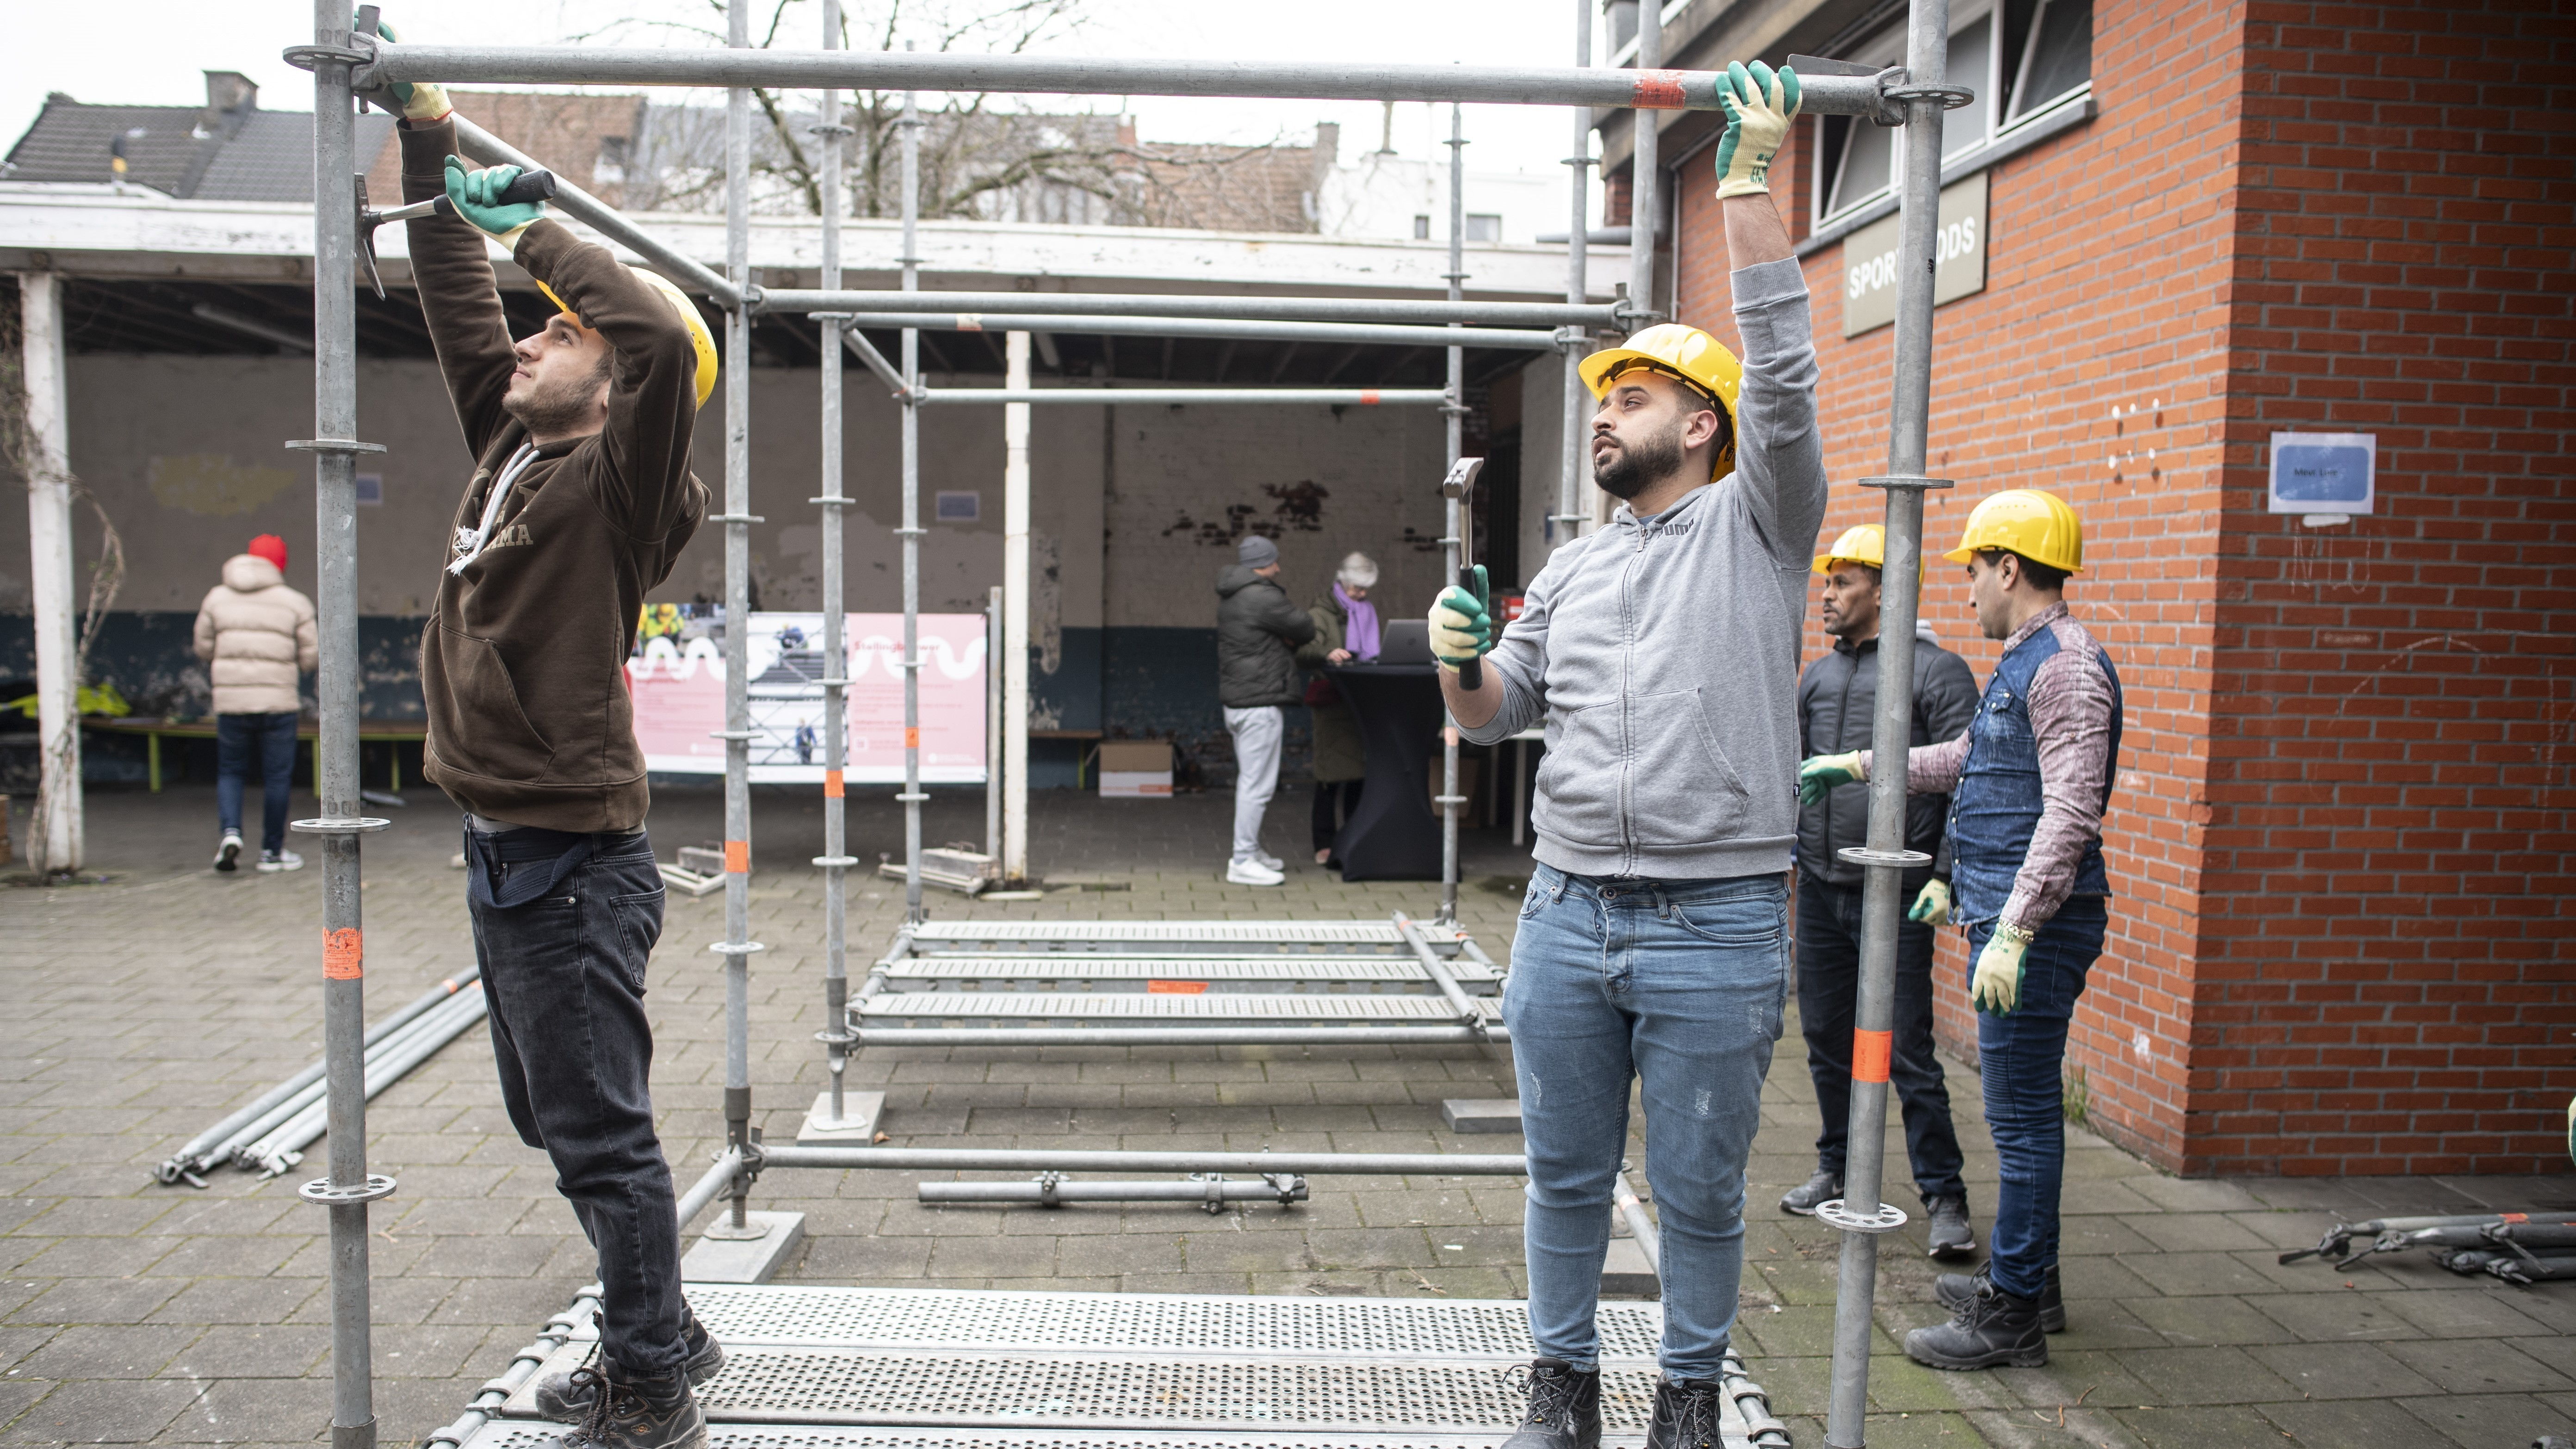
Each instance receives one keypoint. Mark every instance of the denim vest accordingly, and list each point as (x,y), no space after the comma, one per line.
(1996,807)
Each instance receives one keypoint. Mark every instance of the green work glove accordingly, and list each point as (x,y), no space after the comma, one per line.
(1818,775)
(1932,903)
(1759,106)
(472,193)
(1997,985)
(419,100)
(1461,627)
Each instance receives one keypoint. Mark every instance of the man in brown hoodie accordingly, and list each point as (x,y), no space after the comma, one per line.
(581,498)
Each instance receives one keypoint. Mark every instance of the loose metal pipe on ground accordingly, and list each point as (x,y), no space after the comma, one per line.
(1052,1193)
(967,74)
(1387,334)
(1312,1164)
(835,859)
(1861,1214)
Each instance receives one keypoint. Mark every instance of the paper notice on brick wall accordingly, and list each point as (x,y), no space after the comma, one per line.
(2324,473)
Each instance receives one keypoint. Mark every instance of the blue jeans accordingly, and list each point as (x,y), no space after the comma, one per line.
(270,739)
(2019,1057)
(565,978)
(1678,984)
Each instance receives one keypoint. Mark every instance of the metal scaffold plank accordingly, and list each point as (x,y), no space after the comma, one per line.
(1295,933)
(1143,1006)
(1162,968)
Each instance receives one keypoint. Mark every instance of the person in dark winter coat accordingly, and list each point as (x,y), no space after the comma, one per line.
(1257,631)
(1837,710)
(1346,630)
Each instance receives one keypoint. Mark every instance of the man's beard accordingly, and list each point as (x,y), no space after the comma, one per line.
(554,409)
(1636,466)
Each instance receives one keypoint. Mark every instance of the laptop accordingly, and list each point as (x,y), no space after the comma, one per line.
(1404,641)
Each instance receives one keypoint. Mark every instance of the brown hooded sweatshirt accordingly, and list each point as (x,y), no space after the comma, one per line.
(523,664)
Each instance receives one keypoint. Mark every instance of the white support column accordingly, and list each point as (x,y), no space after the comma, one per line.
(1015,619)
(55,835)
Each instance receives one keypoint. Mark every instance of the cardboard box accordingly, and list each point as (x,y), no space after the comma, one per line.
(1136,769)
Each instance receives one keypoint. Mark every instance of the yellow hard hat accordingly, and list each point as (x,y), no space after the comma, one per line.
(1863,543)
(2038,526)
(700,339)
(1676,350)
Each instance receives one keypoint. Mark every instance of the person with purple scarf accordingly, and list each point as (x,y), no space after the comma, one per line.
(1346,629)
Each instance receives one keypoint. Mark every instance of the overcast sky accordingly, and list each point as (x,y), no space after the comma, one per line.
(151,52)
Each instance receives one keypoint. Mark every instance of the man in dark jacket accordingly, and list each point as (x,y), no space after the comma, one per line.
(581,498)
(1837,709)
(1257,631)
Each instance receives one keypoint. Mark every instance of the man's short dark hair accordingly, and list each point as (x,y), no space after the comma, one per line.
(2040,575)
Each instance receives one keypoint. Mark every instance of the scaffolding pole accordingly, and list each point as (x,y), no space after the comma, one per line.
(969,74)
(910,531)
(1453,557)
(1388,334)
(836,858)
(1644,175)
(349,1187)
(1576,341)
(1375,311)
(1860,1214)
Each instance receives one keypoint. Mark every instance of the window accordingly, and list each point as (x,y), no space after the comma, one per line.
(610,168)
(959,507)
(2044,56)
(1422,228)
(1484,228)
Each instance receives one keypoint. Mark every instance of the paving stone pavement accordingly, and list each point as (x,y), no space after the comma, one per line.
(146,1007)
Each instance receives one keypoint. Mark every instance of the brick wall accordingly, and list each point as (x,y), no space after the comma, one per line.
(2340,938)
(2386,936)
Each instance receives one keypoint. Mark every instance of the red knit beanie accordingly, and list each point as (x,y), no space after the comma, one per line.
(270,547)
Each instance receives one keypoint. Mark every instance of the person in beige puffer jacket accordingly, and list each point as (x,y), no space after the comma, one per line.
(258,637)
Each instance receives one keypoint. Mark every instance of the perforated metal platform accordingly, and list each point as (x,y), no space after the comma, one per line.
(1108,1008)
(929,1369)
(1216,972)
(1089,933)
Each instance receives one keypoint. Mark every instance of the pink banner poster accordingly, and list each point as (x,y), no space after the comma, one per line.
(678,677)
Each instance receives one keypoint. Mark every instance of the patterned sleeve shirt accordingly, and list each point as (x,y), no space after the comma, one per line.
(2070,714)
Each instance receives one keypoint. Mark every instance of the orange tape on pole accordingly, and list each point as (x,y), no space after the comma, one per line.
(831,784)
(738,857)
(1660,90)
(344,954)
(911,738)
(1870,1053)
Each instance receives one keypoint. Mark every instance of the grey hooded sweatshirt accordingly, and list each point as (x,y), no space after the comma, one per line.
(1663,652)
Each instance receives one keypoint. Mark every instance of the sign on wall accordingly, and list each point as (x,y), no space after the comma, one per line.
(1959,270)
(2315,473)
(677,676)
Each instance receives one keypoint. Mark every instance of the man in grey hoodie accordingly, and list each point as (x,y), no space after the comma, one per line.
(1662,652)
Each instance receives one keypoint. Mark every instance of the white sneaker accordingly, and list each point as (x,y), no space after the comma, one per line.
(272,861)
(1252,872)
(1272,861)
(228,852)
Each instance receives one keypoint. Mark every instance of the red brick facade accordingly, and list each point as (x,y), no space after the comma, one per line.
(2343,935)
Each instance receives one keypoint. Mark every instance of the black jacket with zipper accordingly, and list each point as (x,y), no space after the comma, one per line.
(1257,633)
(1837,710)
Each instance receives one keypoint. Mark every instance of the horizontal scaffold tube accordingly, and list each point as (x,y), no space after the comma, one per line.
(1181,1035)
(958,73)
(1421,311)
(1388,334)
(718,1176)
(688,272)
(1338,397)
(1249,1189)
(1312,1164)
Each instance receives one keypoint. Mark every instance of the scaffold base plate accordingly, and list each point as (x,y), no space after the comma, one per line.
(866,1368)
(858,1124)
(753,1259)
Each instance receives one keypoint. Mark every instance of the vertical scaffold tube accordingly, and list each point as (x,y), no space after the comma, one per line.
(1455,411)
(1570,512)
(348,1189)
(835,859)
(1644,173)
(911,529)
(737,945)
(993,725)
(1015,618)
(1861,1214)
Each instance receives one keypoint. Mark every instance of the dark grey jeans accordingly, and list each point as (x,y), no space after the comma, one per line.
(565,977)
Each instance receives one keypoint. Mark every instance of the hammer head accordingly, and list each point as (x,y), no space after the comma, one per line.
(1462,476)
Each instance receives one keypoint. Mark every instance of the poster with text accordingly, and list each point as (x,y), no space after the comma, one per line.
(678,676)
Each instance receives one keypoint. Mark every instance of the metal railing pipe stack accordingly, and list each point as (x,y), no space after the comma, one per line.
(276,1141)
(836,858)
(1860,1214)
(913,796)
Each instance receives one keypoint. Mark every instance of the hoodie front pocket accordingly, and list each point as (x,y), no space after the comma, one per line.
(475,719)
(1682,791)
(1578,778)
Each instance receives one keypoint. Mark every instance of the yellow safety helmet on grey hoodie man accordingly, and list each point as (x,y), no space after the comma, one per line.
(1685,354)
(2038,526)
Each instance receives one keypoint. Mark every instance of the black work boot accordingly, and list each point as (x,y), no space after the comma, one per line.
(1949,1235)
(1992,1329)
(565,1397)
(1823,1187)
(1687,1415)
(633,1413)
(1564,1407)
(1956,1289)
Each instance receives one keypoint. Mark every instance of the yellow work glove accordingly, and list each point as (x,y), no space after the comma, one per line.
(1932,903)
(1461,627)
(420,100)
(1820,774)
(1759,106)
(1997,985)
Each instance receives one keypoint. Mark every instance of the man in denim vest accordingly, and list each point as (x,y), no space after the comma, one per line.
(1662,652)
(2028,784)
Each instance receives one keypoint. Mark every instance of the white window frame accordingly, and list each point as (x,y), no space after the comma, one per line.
(1888,48)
